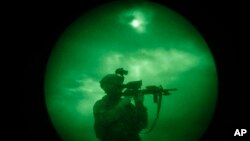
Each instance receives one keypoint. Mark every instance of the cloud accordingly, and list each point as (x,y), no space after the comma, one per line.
(86,92)
(145,63)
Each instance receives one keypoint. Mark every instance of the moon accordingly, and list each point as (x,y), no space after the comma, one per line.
(156,45)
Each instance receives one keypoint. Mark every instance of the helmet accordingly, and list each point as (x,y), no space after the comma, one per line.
(112,83)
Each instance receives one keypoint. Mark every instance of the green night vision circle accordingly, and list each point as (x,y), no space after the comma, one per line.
(152,42)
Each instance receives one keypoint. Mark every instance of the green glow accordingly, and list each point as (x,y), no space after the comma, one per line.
(154,44)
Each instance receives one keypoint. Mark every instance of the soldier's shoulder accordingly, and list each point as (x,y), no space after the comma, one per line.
(100,102)
(99,106)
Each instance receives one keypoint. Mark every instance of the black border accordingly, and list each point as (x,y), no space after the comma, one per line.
(43,22)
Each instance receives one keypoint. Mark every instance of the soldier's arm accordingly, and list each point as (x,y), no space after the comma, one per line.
(104,116)
(141,116)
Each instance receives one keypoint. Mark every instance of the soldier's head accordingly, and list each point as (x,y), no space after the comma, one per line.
(112,84)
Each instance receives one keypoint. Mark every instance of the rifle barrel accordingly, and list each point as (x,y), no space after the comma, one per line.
(152,91)
(149,91)
(173,89)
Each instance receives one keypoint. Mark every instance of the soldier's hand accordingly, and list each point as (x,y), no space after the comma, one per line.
(124,102)
(139,98)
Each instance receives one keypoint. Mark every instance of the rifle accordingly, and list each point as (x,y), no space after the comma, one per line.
(133,88)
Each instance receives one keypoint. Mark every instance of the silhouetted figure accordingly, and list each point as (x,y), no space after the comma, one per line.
(116,118)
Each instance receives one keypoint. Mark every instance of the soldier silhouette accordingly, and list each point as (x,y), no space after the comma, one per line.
(116,118)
